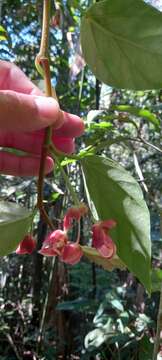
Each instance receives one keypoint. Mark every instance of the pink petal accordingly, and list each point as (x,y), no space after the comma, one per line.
(108,224)
(54,243)
(107,251)
(98,236)
(47,251)
(72,254)
(74,213)
(55,237)
(26,246)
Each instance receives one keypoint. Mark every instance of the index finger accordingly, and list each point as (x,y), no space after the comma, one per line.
(12,78)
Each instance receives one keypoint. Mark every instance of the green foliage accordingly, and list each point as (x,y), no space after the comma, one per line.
(114,194)
(143,113)
(156,280)
(14,224)
(121,43)
(114,324)
(3,33)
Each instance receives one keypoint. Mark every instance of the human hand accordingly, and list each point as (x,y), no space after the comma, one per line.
(24,114)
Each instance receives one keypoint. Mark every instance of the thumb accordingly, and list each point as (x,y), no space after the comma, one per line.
(21,112)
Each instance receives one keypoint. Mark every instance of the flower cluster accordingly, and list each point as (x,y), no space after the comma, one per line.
(57,243)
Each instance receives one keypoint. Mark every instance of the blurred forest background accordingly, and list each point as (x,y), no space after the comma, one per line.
(49,310)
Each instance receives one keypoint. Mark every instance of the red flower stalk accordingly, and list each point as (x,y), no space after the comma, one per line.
(74,213)
(101,239)
(26,246)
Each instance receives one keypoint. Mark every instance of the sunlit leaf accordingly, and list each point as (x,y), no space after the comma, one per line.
(114,194)
(3,34)
(144,113)
(122,43)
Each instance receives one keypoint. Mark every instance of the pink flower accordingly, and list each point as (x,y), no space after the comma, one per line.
(26,246)
(54,243)
(101,239)
(57,243)
(74,213)
(72,253)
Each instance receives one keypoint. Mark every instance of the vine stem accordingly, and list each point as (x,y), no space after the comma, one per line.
(159,317)
(66,179)
(42,65)
(158,329)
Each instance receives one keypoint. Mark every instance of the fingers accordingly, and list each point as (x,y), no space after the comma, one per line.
(32,142)
(65,145)
(22,165)
(21,112)
(73,126)
(21,109)
(12,78)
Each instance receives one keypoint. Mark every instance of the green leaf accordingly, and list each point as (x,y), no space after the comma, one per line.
(156,280)
(74,305)
(145,348)
(103,125)
(121,42)
(114,194)
(14,224)
(3,33)
(144,113)
(117,305)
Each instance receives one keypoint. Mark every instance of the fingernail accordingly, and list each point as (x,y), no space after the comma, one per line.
(47,107)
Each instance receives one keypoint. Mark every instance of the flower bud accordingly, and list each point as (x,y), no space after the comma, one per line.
(26,246)
(101,239)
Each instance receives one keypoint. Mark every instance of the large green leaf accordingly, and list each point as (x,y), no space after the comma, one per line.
(122,43)
(114,194)
(14,224)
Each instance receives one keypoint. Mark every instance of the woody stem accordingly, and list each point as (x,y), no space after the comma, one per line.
(43,67)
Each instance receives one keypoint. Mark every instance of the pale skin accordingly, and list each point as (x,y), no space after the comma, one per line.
(24,114)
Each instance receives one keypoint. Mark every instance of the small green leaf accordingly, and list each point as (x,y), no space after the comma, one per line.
(117,305)
(3,34)
(101,125)
(121,42)
(144,113)
(114,194)
(74,305)
(14,224)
